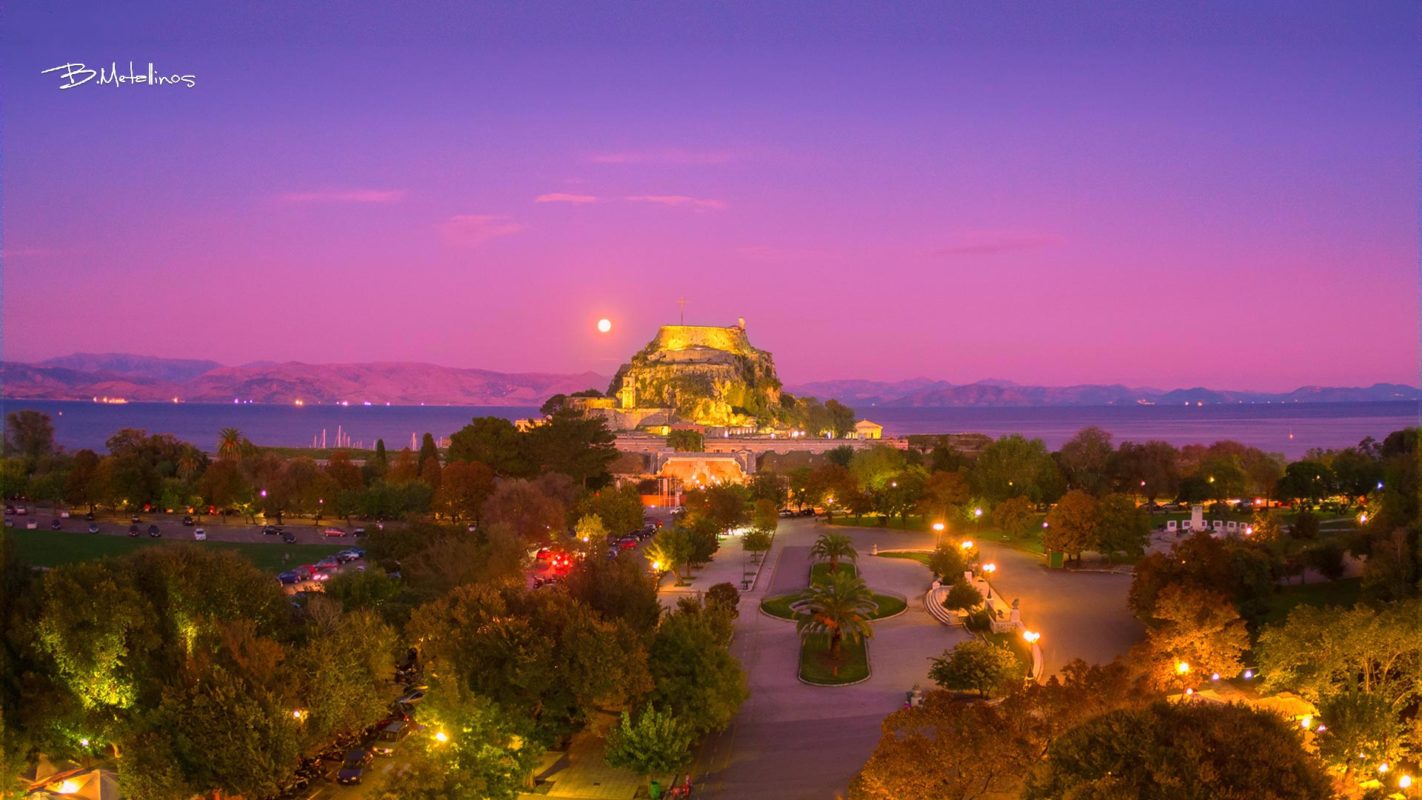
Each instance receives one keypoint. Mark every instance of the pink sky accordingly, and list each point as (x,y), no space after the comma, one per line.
(1154,198)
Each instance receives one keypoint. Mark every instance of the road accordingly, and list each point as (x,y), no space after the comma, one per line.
(793,741)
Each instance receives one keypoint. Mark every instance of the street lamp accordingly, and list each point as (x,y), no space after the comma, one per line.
(937,533)
(989,569)
(1031,636)
(1181,668)
(441,737)
(967,544)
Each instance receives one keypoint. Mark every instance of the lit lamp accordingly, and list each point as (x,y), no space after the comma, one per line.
(1404,782)
(441,737)
(967,544)
(1031,636)
(1182,668)
(989,569)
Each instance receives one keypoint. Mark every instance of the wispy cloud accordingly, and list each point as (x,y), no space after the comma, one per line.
(560,197)
(701,203)
(473,230)
(345,196)
(976,243)
(664,156)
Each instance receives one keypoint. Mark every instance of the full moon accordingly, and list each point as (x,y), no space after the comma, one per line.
(604,325)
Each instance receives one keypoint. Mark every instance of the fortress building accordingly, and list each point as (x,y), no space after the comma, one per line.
(694,374)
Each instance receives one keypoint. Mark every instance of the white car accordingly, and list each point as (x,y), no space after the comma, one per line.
(199,535)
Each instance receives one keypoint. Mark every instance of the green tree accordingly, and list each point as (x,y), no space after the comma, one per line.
(833,547)
(656,743)
(836,609)
(725,598)
(523,507)
(1150,469)
(618,588)
(493,441)
(1072,524)
(756,542)
(231,444)
(463,488)
(686,440)
(962,596)
(1086,461)
(1362,731)
(29,434)
(948,561)
(1013,466)
(1196,628)
(944,494)
(671,549)
(765,516)
(571,444)
(1189,751)
(979,666)
(469,747)
(694,675)
(1015,517)
(1322,652)
(620,508)
(1122,527)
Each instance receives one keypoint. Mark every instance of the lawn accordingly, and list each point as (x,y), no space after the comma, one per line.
(779,606)
(815,667)
(52,548)
(1032,543)
(1342,593)
(921,558)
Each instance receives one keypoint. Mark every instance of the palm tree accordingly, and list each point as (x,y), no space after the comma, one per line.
(833,546)
(230,443)
(838,608)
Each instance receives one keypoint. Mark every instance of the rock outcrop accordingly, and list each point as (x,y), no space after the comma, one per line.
(705,375)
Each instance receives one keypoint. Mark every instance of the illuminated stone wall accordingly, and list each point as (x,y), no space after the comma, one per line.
(672,338)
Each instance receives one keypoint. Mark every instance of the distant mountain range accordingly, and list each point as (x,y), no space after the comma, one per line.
(84,376)
(922,392)
(135,378)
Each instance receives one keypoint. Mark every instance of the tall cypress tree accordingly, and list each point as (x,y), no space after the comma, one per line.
(428,452)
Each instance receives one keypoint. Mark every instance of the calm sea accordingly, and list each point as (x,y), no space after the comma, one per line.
(1287,429)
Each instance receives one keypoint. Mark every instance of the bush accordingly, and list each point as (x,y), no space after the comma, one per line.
(724,597)
(977,665)
(962,596)
(979,620)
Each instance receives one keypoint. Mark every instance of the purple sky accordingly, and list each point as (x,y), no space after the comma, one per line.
(1224,194)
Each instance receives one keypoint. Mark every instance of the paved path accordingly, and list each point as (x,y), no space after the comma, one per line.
(791,740)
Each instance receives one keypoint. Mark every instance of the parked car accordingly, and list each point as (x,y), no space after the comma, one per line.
(133,530)
(328,564)
(306,571)
(55,525)
(89,517)
(9,509)
(411,698)
(93,528)
(390,737)
(154,532)
(271,530)
(353,767)
(288,578)
(199,535)
(188,522)
(788,512)
(20,511)
(350,554)
(134,519)
(32,525)
(334,532)
(288,537)
(358,532)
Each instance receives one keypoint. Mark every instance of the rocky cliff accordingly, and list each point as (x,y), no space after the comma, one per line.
(708,375)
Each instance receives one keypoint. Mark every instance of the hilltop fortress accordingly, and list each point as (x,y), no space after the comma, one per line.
(697,374)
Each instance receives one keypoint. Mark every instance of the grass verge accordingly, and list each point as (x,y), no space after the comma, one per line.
(52,548)
(779,606)
(816,668)
(1343,593)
